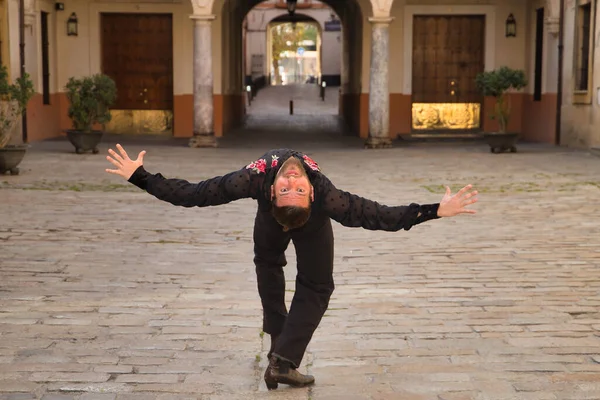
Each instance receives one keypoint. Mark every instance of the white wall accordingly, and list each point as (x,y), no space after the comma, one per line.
(13,32)
(550,52)
(332,52)
(33,64)
(80,55)
(33,44)
(580,123)
(499,50)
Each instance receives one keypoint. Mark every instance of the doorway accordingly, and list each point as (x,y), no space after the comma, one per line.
(448,53)
(137,53)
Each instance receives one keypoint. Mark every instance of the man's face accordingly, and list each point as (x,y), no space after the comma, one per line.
(292,186)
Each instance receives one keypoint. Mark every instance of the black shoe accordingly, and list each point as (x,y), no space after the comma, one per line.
(280,371)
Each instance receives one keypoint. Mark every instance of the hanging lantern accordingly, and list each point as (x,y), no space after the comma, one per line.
(291,6)
(72,25)
(511,26)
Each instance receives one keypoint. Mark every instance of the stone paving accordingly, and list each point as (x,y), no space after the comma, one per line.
(108,294)
(275,100)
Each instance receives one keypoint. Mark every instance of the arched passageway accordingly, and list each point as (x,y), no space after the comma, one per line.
(293,53)
(294,72)
(338,63)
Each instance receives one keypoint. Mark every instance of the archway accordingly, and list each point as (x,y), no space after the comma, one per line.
(231,103)
(293,65)
(294,50)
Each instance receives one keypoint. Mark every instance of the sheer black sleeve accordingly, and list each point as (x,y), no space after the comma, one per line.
(353,211)
(211,192)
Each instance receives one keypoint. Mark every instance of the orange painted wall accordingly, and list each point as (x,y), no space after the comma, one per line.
(515,124)
(539,119)
(535,120)
(229,112)
(355,109)
(400,114)
(43,120)
(537,125)
(63,112)
(183,115)
(50,121)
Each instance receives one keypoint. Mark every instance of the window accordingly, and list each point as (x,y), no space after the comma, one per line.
(539,54)
(45,59)
(583,47)
(584,23)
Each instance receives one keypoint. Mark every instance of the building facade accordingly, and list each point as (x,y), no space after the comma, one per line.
(580,116)
(180,65)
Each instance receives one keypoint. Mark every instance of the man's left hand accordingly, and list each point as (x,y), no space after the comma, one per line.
(452,205)
(125,165)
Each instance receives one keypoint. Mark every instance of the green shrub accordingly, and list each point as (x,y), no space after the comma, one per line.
(496,83)
(13,103)
(90,99)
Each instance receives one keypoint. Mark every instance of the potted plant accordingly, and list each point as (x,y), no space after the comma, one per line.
(496,83)
(13,104)
(90,98)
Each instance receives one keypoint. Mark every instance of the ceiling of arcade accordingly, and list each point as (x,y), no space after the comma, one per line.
(206,7)
(375,8)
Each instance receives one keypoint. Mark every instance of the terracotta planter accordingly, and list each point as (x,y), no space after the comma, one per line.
(502,141)
(84,141)
(11,157)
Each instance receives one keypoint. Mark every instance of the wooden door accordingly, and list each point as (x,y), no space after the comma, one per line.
(137,52)
(448,53)
(447,49)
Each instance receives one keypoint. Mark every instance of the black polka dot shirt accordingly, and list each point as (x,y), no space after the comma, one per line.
(255,179)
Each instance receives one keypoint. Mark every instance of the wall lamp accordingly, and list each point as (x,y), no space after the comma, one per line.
(72,25)
(511,26)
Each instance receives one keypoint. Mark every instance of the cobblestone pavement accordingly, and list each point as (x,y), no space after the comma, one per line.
(275,100)
(107,293)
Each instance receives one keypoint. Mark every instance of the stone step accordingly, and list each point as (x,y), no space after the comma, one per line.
(442,137)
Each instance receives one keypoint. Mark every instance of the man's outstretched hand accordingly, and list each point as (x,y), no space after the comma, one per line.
(452,205)
(125,165)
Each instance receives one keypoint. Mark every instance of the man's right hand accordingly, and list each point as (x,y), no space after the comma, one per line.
(125,166)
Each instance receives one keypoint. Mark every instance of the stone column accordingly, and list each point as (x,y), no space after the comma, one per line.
(379,95)
(204,132)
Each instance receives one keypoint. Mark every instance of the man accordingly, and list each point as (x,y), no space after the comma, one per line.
(295,202)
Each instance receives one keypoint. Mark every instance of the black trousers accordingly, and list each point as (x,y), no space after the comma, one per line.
(314,280)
